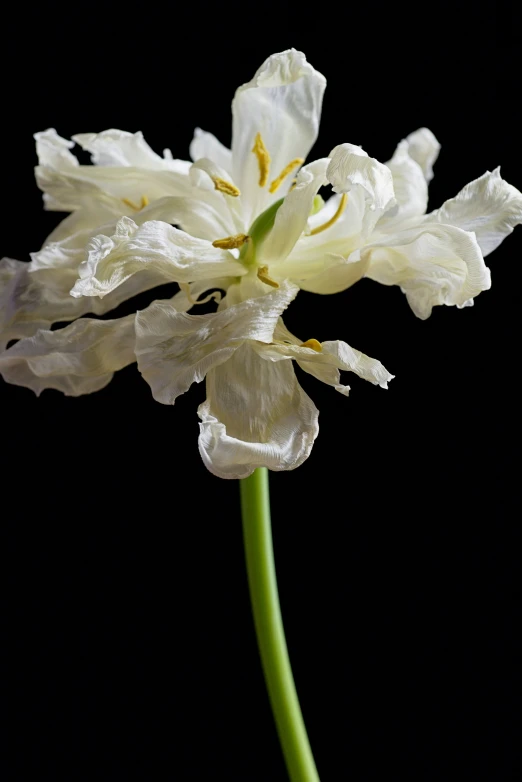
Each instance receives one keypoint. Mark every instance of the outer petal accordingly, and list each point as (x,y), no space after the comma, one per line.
(77,359)
(283,103)
(121,148)
(410,186)
(350,166)
(292,216)
(433,264)
(155,247)
(325,365)
(488,206)
(68,186)
(175,350)
(206,145)
(256,415)
(424,148)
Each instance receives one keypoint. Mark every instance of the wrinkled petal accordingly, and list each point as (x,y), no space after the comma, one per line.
(121,148)
(326,273)
(78,359)
(68,186)
(433,264)
(424,149)
(175,350)
(326,363)
(351,167)
(206,145)
(283,103)
(488,206)
(292,216)
(155,247)
(256,415)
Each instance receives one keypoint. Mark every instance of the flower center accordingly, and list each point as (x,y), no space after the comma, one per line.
(312,343)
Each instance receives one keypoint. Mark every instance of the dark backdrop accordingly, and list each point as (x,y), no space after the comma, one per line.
(127,617)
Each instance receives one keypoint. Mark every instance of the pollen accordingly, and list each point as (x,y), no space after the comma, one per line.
(332,220)
(225,187)
(262,274)
(312,343)
(143,203)
(231,242)
(298,161)
(263,159)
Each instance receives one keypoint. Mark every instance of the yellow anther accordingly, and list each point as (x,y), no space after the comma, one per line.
(226,187)
(231,242)
(143,203)
(263,159)
(332,220)
(298,161)
(262,274)
(312,343)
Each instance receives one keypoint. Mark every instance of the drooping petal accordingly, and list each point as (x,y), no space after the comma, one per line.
(155,247)
(351,167)
(433,264)
(78,359)
(489,206)
(325,361)
(175,350)
(424,149)
(282,103)
(256,415)
(292,216)
(121,148)
(206,145)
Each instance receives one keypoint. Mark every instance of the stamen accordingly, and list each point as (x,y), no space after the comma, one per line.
(185,287)
(298,161)
(312,343)
(143,203)
(262,274)
(226,187)
(231,242)
(332,220)
(263,159)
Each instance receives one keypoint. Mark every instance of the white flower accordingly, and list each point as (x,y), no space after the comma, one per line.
(256,414)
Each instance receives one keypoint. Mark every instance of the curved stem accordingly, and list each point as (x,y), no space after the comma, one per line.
(255,509)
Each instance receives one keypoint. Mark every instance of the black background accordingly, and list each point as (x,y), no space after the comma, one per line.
(127,617)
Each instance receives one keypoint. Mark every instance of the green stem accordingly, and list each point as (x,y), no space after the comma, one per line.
(255,509)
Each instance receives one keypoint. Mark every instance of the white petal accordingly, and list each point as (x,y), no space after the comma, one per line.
(121,148)
(488,206)
(433,264)
(206,145)
(53,150)
(424,148)
(175,350)
(326,273)
(282,103)
(292,216)
(351,167)
(78,359)
(256,415)
(326,363)
(155,247)
(410,187)
(35,295)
